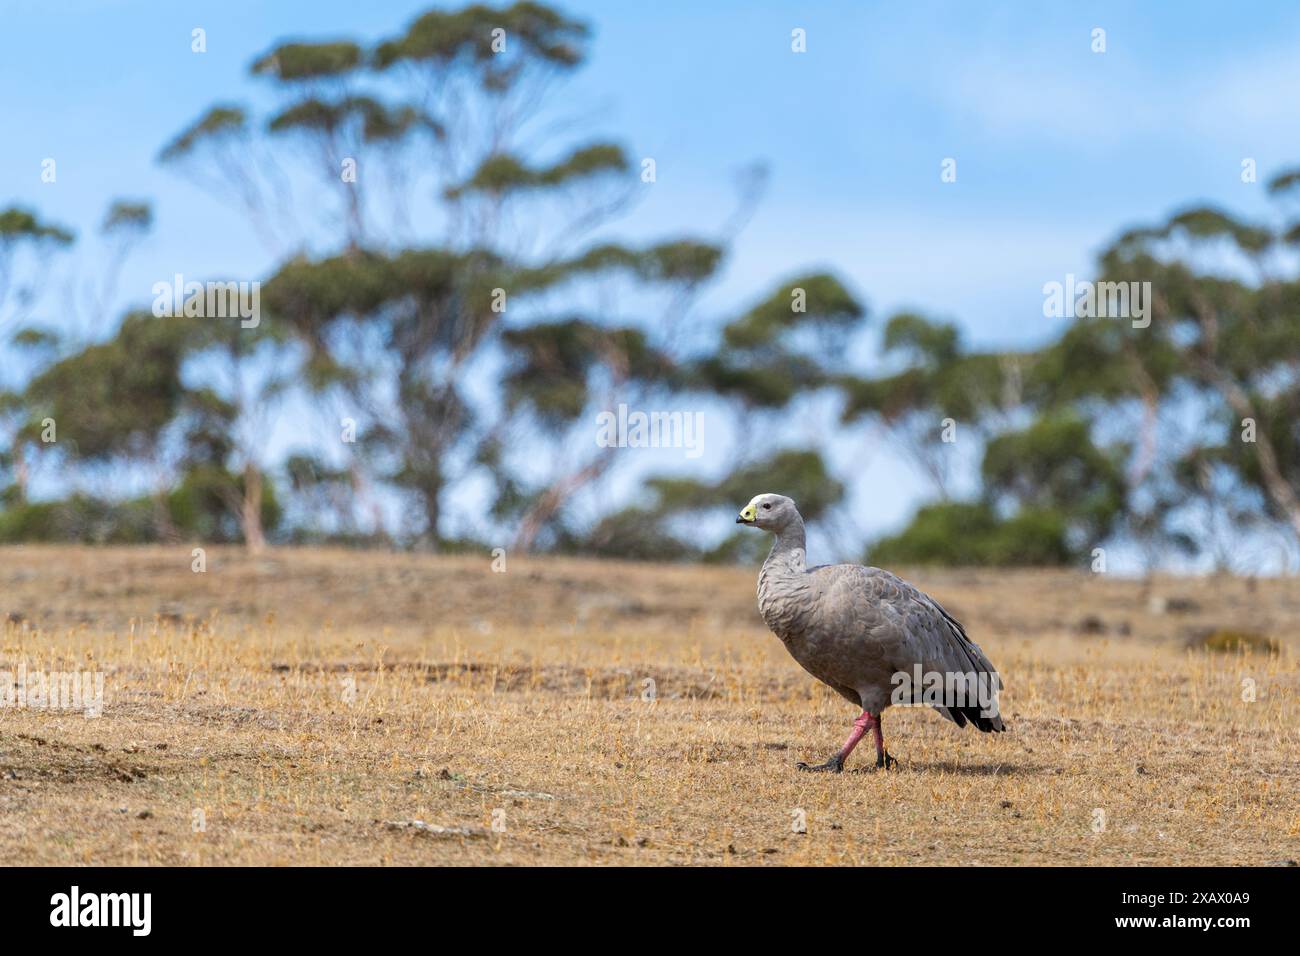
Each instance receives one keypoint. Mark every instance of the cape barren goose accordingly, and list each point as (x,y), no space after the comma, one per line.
(867,634)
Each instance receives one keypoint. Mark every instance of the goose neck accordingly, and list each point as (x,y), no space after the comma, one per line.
(790,549)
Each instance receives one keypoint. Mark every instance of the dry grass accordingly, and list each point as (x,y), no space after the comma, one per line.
(516,699)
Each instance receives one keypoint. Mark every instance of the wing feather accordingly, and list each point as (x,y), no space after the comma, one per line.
(909,627)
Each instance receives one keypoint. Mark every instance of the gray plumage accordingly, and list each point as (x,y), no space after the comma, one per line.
(854,628)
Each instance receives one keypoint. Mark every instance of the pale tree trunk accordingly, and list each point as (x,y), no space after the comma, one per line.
(162,518)
(1146,457)
(553,499)
(563,488)
(161,511)
(1277,488)
(1275,483)
(250,510)
(366,501)
(20,472)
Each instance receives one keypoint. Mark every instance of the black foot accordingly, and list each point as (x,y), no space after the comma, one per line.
(834,765)
(885,761)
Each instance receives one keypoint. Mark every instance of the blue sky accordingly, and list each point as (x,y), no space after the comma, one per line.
(1057,147)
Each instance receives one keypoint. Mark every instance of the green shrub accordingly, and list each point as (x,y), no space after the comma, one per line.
(1227,640)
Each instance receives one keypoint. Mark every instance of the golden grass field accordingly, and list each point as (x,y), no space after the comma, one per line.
(311,705)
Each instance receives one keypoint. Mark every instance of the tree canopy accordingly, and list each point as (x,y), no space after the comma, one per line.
(450,304)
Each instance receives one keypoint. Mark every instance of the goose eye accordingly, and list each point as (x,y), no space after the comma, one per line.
(767,507)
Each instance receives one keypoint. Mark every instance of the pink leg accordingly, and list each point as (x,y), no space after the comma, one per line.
(860,727)
(883,759)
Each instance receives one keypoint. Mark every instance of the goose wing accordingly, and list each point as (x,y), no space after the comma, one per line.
(910,628)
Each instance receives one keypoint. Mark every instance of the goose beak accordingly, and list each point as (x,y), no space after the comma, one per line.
(746,516)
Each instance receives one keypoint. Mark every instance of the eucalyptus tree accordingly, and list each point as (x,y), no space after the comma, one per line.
(1224,344)
(237,375)
(931,390)
(1047,493)
(23,232)
(26,244)
(443,121)
(110,405)
(758,366)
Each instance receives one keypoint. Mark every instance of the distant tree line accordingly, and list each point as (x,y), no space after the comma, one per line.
(421,373)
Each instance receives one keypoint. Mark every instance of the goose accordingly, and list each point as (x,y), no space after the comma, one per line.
(868,635)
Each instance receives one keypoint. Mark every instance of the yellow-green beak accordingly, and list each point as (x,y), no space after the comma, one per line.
(747,515)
